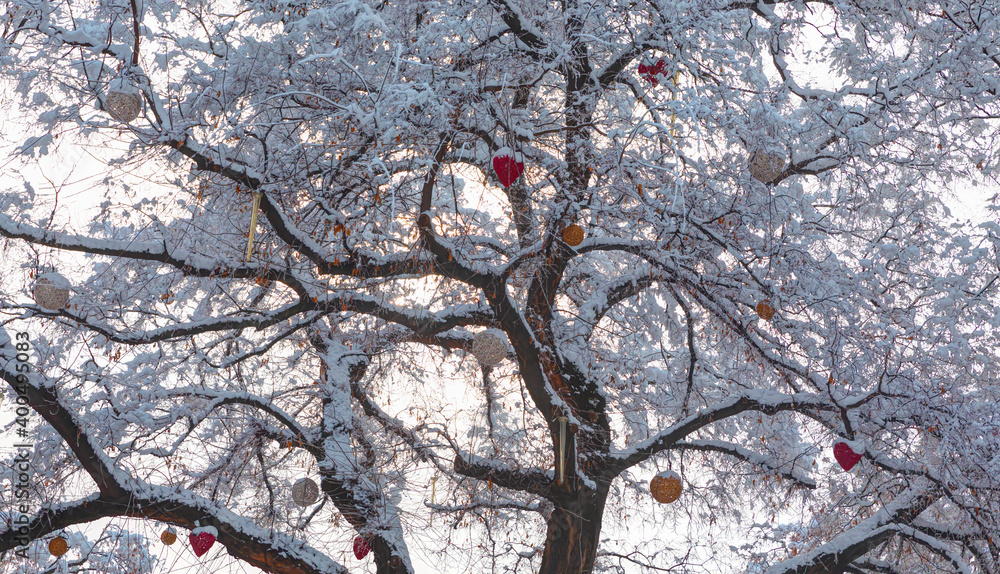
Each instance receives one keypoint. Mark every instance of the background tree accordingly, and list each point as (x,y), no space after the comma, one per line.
(191,381)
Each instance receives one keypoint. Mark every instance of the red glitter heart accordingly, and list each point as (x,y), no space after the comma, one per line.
(845,455)
(201,542)
(506,167)
(650,72)
(361,547)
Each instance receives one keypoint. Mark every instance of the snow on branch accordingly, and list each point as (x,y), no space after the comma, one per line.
(221,398)
(837,555)
(766,402)
(614,293)
(122,494)
(81,39)
(531,38)
(389,422)
(749,456)
(531,481)
(937,546)
(418,321)
(447,262)
(43,400)
(191,265)
(191,328)
(264,549)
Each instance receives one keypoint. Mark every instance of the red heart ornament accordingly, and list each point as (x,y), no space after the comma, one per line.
(361,547)
(201,542)
(845,455)
(506,167)
(650,72)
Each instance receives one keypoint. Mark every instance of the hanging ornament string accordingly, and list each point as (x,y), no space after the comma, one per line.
(123,100)
(507,161)
(135,32)
(253,222)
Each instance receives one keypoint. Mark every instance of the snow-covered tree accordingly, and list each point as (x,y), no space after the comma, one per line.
(513,259)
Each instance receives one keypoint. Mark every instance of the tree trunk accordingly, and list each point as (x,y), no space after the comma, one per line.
(574,531)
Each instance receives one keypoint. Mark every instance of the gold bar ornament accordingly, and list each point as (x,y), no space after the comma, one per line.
(562,449)
(434,481)
(253,222)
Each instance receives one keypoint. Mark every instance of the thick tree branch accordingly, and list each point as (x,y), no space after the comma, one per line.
(607,298)
(533,482)
(43,400)
(837,555)
(191,265)
(276,553)
(513,19)
(749,456)
(767,403)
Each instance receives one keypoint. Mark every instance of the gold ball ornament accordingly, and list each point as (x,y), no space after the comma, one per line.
(573,235)
(766,166)
(666,487)
(58,546)
(51,291)
(765,310)
(305,491)
(489,347)
(169,536)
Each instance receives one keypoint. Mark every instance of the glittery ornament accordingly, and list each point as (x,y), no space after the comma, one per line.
(765,166)
(489,347)
(123,100)
(169,536)
(666,487)
(305,492)
(58,546)
(845,455)
(650,72)
(506,167)
(765,310)
(51,291)
(202,539)
(361,547)
(573,235)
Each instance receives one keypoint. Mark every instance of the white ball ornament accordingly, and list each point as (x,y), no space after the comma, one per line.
(489,347)
(766,166)
(124,101)
(305,491)
(51,291)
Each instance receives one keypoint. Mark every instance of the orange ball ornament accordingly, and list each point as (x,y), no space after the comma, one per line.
(765,310)
(573,235)
(666,487)
(169,536)
(58,546)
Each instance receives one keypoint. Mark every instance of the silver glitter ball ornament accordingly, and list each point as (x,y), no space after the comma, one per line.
(51,291)
(489,347)
(305,491)
(766,166)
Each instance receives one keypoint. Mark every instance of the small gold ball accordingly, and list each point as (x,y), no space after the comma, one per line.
(58,546)
(169,536)
(765,310)
(665,489)
(573,235)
